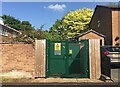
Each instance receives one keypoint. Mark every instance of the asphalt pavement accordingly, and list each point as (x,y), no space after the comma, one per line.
(67,84)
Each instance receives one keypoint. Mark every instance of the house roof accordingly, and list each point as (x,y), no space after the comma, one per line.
(109,6)
(92,32)
(10,28)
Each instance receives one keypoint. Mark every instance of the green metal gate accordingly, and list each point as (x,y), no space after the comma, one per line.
(67,59)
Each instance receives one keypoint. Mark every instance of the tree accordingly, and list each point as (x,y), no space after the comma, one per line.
(58,31)
(72,24)
(16,23)
(56,25)
(28,31)
(54,30)
(11,21)
(26,25)
(77,21)
(46,35)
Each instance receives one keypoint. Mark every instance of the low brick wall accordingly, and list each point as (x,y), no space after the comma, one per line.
(18,57)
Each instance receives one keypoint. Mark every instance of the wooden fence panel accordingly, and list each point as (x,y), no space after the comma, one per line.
(40,54)
(94,58)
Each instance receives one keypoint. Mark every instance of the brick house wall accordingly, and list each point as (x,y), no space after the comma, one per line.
(20,57)
(8,38)
(11,33)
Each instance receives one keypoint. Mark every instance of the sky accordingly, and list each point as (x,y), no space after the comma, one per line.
(39,13)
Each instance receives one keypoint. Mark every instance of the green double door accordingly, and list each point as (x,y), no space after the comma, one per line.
(67,59)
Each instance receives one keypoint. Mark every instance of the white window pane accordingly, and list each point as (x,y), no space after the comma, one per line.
(6,33)
(14,34)
(0,31)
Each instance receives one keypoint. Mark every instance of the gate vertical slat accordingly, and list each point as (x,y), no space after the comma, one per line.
(67,59)
(86,57)
(47,59)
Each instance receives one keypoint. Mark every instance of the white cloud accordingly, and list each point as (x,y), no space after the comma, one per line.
(57,7)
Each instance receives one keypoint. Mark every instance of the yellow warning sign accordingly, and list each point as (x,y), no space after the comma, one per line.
(57,46)
(70,51)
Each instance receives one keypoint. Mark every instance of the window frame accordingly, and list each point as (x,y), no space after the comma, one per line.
(4,32)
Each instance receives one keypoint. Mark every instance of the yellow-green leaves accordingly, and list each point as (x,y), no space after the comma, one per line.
(72,24)
(77,21)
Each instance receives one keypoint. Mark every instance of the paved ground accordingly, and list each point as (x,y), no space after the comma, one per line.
(48,80)
(59,82)
(65,80)
(115,75)
(56,84)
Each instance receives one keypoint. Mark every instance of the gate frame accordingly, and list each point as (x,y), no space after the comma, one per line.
(86,44)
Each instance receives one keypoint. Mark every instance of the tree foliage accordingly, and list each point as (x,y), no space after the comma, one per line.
(11,21)
(28,31)
(26,25)
(73,23)
(77,21)
(16,23)
(58,31)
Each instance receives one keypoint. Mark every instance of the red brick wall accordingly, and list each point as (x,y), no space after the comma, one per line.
(20,57)
(8,38)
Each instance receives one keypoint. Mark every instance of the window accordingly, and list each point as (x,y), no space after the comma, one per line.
(0,31)
(14,34)
(4,32)
(98,23)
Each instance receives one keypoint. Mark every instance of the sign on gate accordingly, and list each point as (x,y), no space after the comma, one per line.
(57,50)
(70,51)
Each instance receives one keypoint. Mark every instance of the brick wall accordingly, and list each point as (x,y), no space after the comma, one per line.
(10,32)
(8,38)
(20,57)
